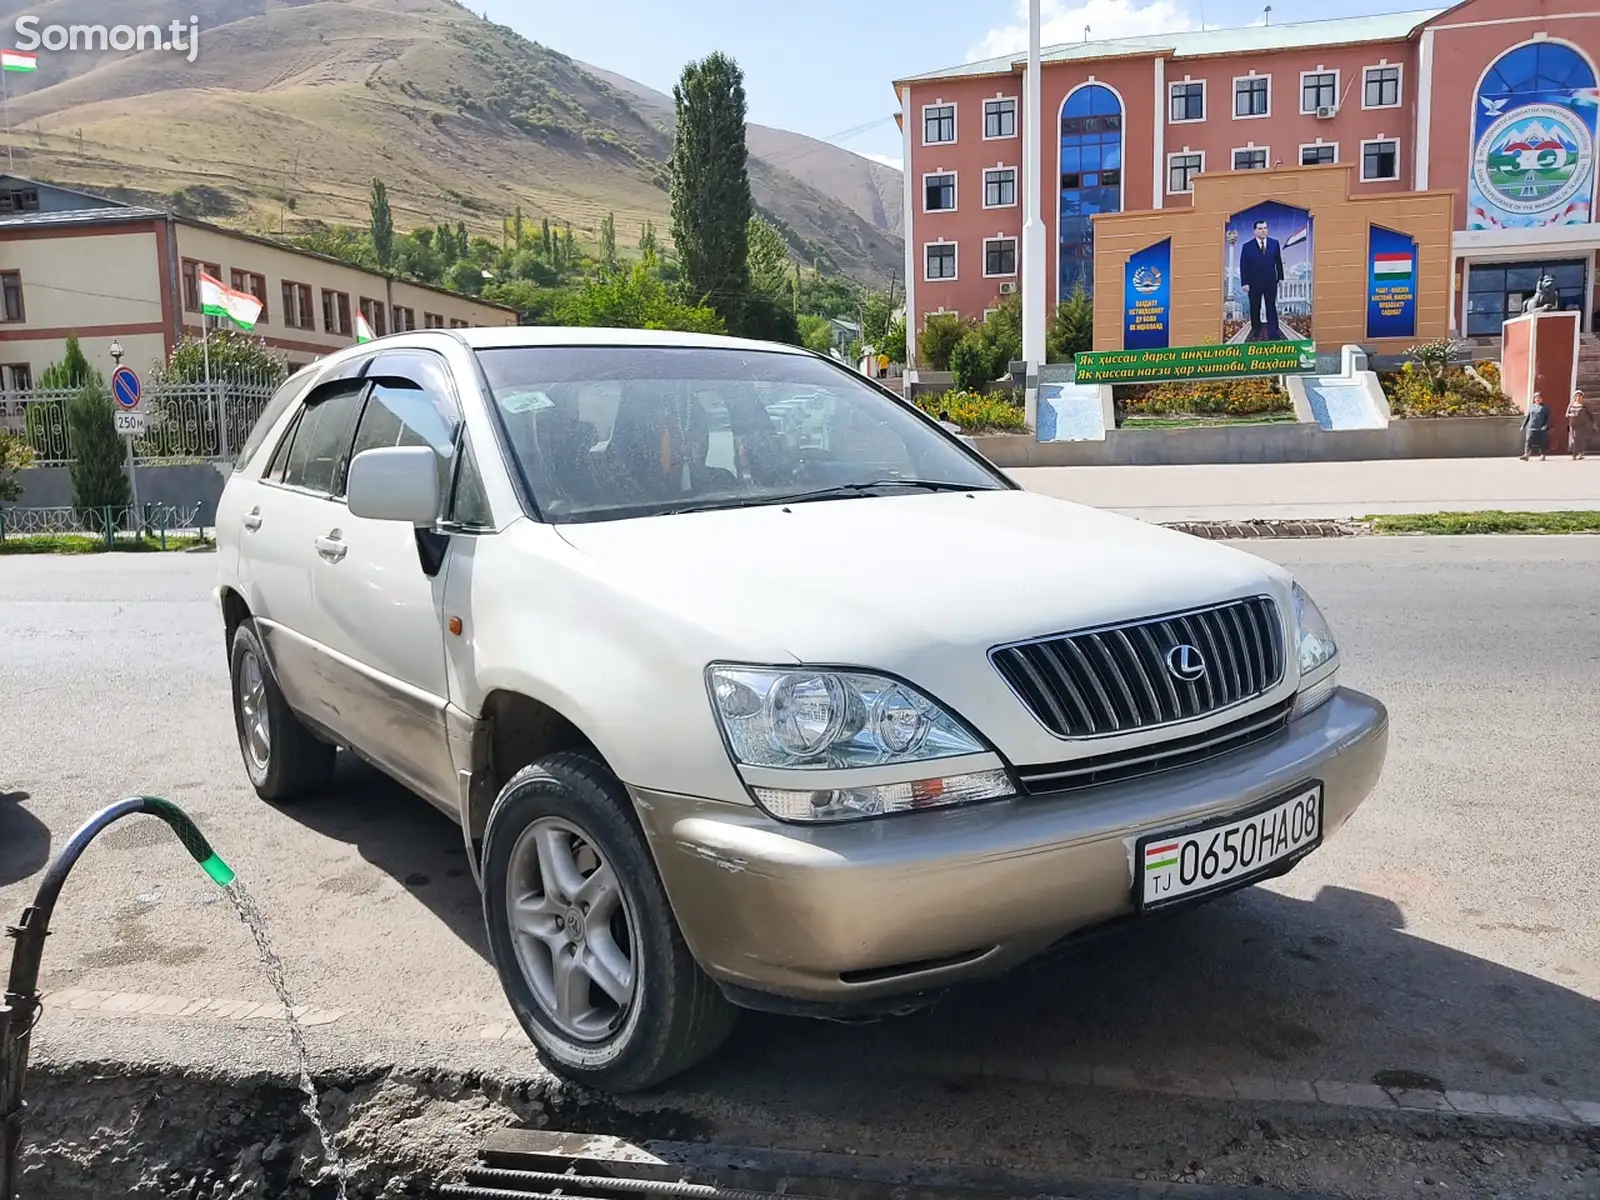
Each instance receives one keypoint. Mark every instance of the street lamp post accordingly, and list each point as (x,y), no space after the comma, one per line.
(1033,243)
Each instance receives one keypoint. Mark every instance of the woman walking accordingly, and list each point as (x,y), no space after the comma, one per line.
(1580,425)
(1536,428)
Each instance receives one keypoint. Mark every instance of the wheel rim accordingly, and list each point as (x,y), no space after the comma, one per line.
(573,929)
(255,726)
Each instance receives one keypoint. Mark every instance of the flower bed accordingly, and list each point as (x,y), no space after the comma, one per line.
(1458,392)
(1216,398)
(976,412)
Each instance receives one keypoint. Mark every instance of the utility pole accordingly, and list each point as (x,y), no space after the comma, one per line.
(1033,243)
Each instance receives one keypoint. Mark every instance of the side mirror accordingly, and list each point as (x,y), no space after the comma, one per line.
(396,483)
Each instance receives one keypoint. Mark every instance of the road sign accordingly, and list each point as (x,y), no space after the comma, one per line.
(129,424)
(125,386)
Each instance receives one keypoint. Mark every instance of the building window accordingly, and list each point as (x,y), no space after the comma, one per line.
(1182,168)
(1380,159)
(1318,89)
(405,319)
(1000,256)
(17,377)
(256,285)
(940,260)
(1000,117)
(1091,179)
(19,199)
(373,311)
(938,124)
(1252,96)
(455,324)
(336,312)
(297,306)
(1319,155)
(1000,187)
(11,309)
(1188,101)
(1250,158)
(1382,88)
(192,269)
(432,321)
(939,192)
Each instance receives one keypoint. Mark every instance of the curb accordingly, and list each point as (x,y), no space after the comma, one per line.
(1229,530)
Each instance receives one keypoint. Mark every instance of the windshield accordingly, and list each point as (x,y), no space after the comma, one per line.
(604,432)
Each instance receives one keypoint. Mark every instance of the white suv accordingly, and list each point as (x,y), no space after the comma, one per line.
(750,685)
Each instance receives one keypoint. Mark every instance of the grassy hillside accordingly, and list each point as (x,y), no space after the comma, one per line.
(291,108)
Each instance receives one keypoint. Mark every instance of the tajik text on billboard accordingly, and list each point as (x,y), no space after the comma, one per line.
(1236,360)
(1391,283)
(1147,297)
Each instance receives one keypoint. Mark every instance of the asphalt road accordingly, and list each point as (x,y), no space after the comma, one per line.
(1452,928)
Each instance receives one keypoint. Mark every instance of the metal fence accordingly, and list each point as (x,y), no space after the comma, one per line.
(155,522)
(184,423)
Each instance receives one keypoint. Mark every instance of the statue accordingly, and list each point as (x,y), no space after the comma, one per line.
(1545,298)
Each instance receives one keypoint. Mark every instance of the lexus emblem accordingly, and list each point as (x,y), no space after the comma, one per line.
(1186,663)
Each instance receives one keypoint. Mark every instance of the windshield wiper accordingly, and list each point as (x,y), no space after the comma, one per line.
(842,491)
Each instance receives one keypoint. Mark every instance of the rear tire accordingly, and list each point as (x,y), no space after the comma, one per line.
(587,947)
(283,758)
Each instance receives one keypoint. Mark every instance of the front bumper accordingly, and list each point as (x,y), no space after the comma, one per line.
(855,914)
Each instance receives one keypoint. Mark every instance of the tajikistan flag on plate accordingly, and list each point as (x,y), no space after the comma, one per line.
(219,300)
(16,60)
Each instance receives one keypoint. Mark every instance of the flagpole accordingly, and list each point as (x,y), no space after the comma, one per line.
(5,98)
(212,399)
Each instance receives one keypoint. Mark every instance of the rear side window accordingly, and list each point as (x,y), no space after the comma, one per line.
(406,411)
(291,390)
(321,446)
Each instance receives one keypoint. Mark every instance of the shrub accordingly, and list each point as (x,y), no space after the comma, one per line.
(941,332)
(14,455)
(976,412)
(97,451)
(969,363)
(1414,392)
(1229,397)
(1072,326)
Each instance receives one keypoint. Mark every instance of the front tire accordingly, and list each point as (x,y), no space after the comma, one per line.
(283,758)
(587,947)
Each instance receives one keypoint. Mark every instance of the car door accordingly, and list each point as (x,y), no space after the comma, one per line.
(290,509)
(378,587)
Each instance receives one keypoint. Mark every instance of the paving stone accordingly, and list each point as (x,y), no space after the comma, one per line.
(1474,1104)
(1353,1095)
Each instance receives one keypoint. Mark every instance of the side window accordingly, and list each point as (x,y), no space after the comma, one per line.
(322,443)
(469,506)
(287,394)
(280,452)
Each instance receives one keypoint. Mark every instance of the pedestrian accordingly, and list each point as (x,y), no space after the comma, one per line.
(1580,425)
(1536,428)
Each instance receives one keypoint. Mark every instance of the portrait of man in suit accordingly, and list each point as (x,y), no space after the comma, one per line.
(1260,273)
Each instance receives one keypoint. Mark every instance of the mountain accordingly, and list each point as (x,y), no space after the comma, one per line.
(292,107)
(868,188)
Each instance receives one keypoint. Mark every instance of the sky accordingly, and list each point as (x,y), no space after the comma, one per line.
(824,69)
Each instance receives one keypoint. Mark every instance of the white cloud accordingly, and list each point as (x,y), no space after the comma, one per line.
(1063,21)
(888,160)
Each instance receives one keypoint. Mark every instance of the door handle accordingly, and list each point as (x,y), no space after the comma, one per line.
(331,547)
(252,519)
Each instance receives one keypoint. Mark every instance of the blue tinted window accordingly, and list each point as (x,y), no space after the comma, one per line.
(1091,177)
(1538,67)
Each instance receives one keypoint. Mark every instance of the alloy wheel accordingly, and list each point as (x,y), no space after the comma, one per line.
(255,724)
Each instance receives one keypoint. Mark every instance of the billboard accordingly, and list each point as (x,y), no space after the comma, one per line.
(1533,141)
(1238,360)
(1391,283)
(1147,297)
(1267,274)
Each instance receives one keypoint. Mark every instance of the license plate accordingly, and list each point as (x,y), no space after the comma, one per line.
(1182,866)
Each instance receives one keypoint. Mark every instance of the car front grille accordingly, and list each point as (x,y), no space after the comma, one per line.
(1118,679)
(1163,756)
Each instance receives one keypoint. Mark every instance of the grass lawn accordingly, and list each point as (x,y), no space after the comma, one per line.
(87,543)
(1493,521)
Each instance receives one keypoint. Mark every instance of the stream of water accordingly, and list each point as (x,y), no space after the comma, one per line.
(251,915)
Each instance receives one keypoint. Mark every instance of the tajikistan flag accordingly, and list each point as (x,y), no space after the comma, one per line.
(219,300)
(16,60)
(363,330)
(1392,266)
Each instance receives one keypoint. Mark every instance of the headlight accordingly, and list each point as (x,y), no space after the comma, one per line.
(808,720)
(1317,650)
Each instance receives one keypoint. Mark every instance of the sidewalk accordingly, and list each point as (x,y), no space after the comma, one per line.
(1324,491)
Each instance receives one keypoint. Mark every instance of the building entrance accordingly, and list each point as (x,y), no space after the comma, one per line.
(1497,291)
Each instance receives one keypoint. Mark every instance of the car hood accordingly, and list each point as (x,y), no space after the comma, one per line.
(885,581)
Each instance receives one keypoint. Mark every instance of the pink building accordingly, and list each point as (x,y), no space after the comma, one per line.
(1492,100)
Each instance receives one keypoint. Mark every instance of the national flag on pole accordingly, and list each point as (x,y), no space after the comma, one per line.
(217,299)
(1392,266)
(16,60)
(363,330)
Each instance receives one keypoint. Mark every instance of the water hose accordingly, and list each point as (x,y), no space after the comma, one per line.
(19,1009)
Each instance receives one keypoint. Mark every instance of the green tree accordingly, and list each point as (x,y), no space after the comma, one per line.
(647,239)
(608,241)
(829,295)
(97,451)
(1072,326)
(236,357)
(546,244)
(941,332)
(381,225)
(877,312)
(534,268)
(636,299)
(770,318)
(816,333)
(535,305)
(516,229)
(15,453)
(465,277)
(711,205)
(444,243)
(969,363)
(73,371)
(894,340)
(769,258)
(46,420)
